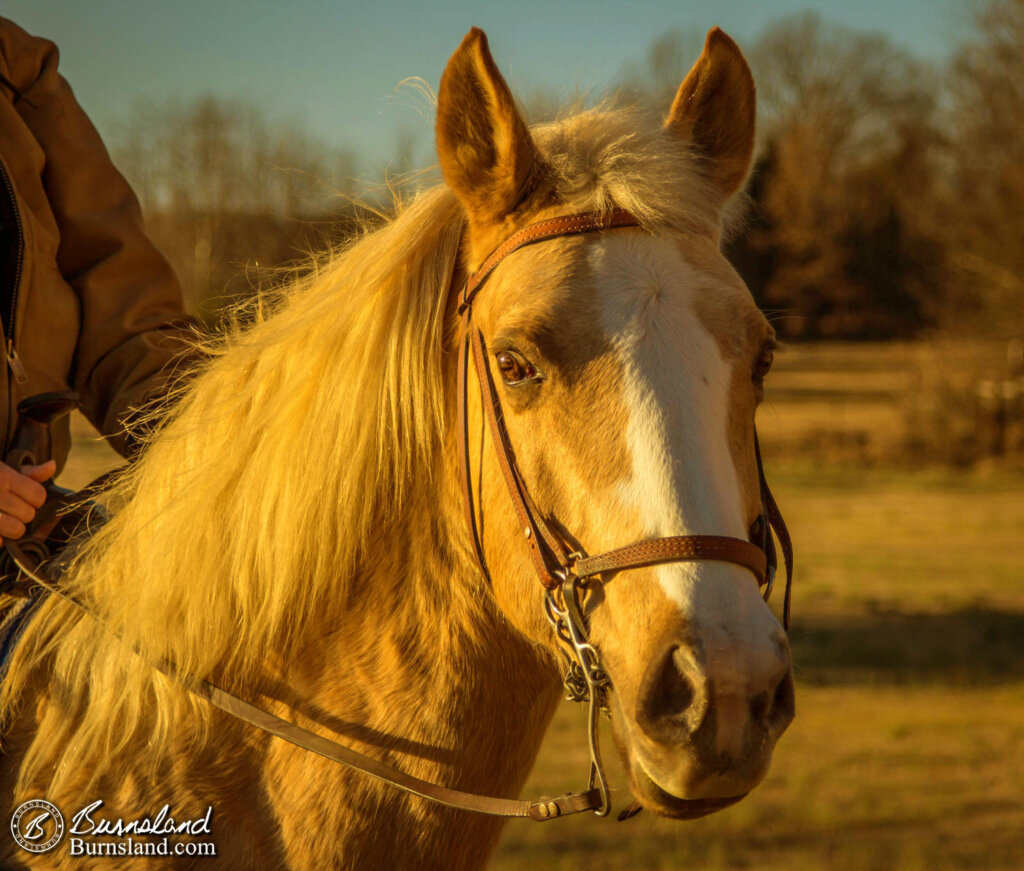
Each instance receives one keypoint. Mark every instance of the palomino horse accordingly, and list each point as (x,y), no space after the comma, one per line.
(296,533)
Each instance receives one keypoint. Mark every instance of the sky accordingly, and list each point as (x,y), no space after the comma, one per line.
(335,67)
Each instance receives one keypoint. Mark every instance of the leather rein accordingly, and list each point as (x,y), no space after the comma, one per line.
(562,573)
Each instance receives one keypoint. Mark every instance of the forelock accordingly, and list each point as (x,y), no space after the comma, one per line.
(608,157)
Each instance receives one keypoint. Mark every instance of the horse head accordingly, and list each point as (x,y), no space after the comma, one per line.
(628,367)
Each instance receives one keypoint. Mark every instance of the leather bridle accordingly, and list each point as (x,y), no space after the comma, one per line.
(552,560)
(562,573)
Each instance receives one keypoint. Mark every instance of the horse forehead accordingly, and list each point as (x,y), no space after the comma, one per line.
(683,325)
(631,292)
(668,296)
(627,308)
(626,266)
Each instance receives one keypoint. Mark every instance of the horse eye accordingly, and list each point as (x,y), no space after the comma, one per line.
(514,369)
(763,364)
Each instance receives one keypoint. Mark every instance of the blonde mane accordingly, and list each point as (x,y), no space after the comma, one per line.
(300,435)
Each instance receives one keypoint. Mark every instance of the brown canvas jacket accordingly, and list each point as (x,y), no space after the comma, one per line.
(87,302)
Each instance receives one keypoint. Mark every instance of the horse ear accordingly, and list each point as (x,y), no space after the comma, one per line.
(714,112)
(487,155)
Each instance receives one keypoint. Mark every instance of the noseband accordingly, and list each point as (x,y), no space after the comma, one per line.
(563,572)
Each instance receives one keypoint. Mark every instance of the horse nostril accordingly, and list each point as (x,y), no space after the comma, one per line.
(774,708)
(783,704)
(668,696)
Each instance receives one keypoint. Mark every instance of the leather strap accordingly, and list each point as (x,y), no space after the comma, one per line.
(779,525)
(466,471)
(776,524)
(552,562)
(548,555)
(544,808)
(538,809)
(678,548)
(566,225)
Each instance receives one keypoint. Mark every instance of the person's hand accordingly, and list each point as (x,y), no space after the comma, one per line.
(21,494)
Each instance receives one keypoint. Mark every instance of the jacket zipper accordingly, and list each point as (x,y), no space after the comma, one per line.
(13,360)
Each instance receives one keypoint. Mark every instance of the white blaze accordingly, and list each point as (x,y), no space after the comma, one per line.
(676,390)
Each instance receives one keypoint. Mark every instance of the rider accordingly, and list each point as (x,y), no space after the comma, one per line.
(87,302)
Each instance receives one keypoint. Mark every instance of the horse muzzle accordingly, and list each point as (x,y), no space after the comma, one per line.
(698,730)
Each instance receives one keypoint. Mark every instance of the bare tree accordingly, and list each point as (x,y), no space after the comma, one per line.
(838,239)
(848,163)
(226,193)
(654,82)
(984,208)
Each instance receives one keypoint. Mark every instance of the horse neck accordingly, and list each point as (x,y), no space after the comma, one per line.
(419,663)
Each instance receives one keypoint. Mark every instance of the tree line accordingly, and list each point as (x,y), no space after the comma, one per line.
(885,201)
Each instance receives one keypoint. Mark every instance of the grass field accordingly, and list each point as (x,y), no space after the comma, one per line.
(908,747)
(907,753)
